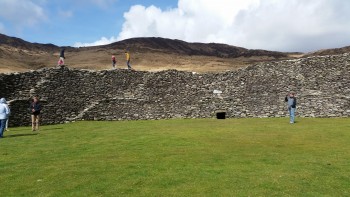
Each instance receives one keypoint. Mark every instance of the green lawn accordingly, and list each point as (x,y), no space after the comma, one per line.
(236,157)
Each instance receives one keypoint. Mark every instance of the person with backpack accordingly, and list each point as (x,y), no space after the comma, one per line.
(114,62)
(35,109)
(292,105)
(4,113)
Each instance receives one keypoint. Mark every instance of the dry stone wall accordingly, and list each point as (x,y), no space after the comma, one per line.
(322,85)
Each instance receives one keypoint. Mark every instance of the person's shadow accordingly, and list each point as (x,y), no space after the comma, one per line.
(20,135)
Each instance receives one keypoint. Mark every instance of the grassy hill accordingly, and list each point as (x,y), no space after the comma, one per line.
(237,157)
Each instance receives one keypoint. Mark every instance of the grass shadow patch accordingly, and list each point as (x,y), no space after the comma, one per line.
(21,135)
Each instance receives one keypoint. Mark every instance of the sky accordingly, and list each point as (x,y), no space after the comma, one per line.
(280,25)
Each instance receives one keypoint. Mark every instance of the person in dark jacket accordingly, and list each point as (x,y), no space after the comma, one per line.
(61,60)
(292,105)
(35,108)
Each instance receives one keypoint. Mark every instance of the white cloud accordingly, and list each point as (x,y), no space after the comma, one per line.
(102,41)
(284,25)
(22,13)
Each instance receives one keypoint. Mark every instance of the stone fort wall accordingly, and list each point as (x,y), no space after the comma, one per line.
(322,85)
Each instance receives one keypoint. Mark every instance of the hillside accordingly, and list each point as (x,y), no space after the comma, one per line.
(163,45)
(329,52)
(152,54)
(24,45)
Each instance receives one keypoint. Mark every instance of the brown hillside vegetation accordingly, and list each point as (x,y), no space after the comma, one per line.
(147,54)
(335,51)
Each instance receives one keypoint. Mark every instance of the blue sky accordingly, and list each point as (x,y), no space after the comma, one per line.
(281,25)
(65,22)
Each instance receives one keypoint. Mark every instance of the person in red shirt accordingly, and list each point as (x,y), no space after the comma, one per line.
(114,62)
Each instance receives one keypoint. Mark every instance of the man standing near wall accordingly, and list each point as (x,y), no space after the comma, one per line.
(292,105)
(7,120)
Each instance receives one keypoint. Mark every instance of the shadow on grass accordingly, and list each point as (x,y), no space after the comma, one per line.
(53,129)
(56,128)
(20,135)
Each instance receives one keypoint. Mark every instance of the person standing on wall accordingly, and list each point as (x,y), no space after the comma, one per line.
(114,62)
(35,108)
(292,105)
(62,57)
(4,113)
(127,54)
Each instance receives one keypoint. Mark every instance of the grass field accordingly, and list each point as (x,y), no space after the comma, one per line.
(236,157)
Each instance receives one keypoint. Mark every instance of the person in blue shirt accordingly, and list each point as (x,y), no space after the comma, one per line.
(292,105)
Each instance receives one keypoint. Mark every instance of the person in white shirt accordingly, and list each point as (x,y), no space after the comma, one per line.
(4,113)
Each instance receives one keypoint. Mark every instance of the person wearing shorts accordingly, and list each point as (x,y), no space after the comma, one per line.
(35,108)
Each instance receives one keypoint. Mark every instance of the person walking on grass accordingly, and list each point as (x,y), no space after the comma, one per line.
(127,54)
(35,108)
(7,121)
(292,105)
(114,62)
(4,113)
(7,125)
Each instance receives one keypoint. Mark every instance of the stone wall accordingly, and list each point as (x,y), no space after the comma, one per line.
(322,85)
